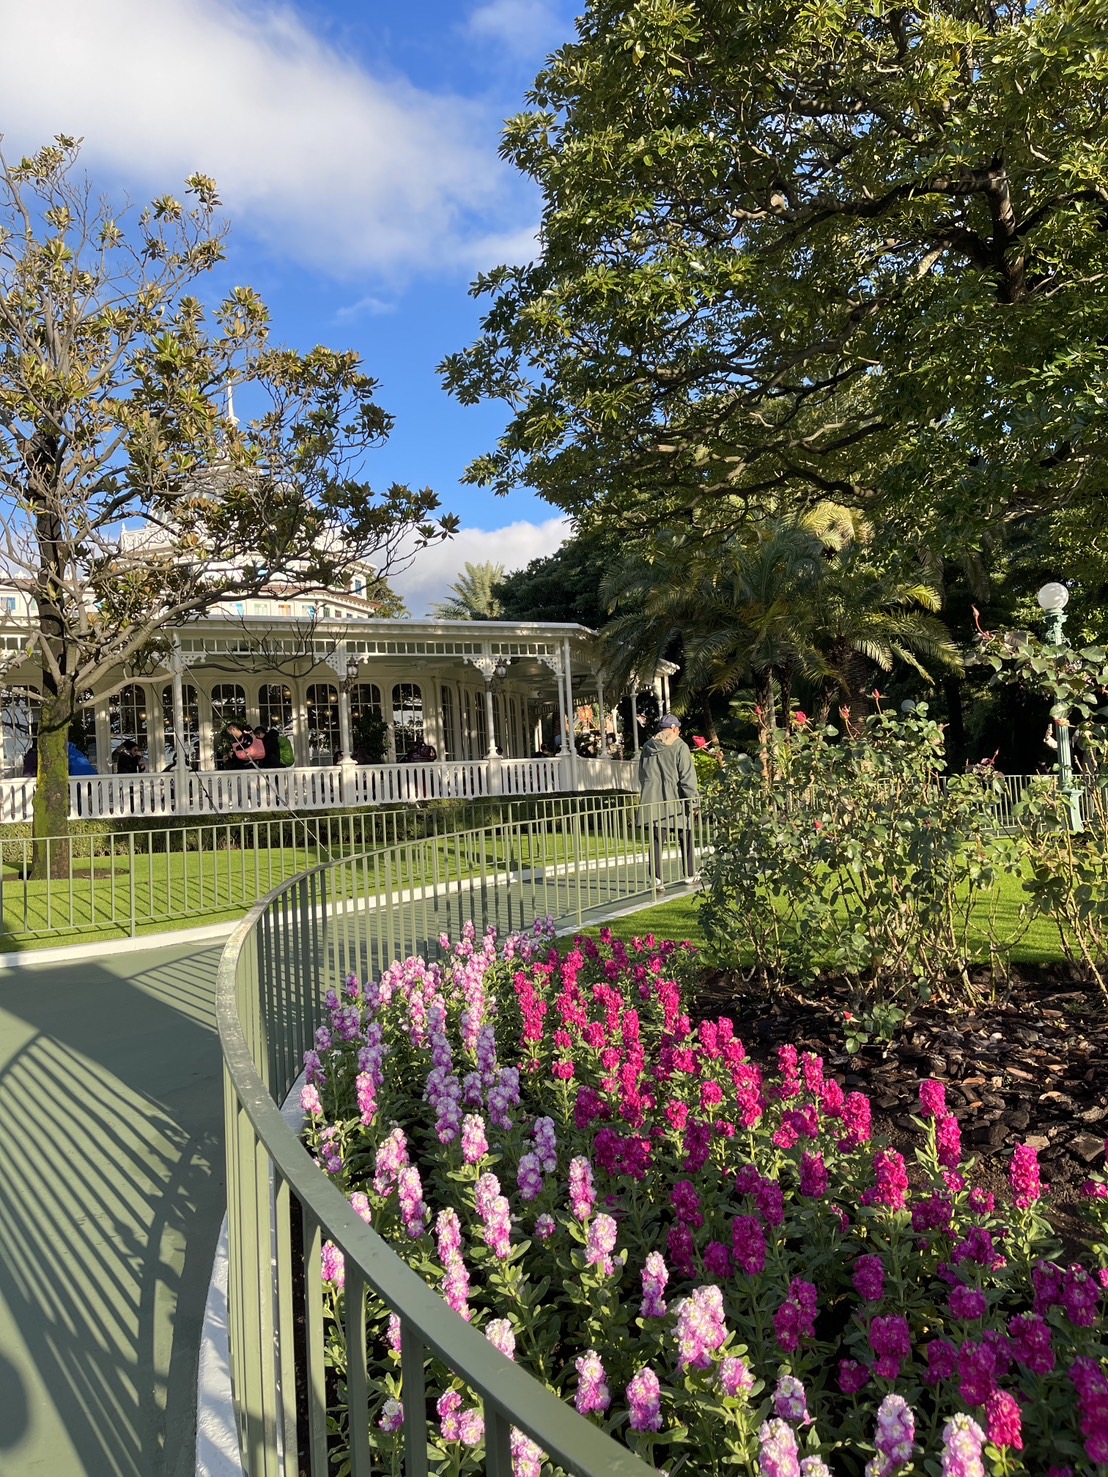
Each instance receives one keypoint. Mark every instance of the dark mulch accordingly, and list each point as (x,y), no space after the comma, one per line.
(1026,1062)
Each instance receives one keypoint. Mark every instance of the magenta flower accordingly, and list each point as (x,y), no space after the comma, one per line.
(942,1360)
(686,1204)
(852,1376)
(1080,1296)
(891,1189)
(545,1227)
(891,1342)
(932,1099)
(1003,1415)
(857,1120)
(498,1228)
(869,1278)
(717,1261)
(977,1372)
(592,1387)
(644,1400)
(1023,1176)
(1031,1344)
(813,1176)
(655,1275)
(777,1450)
(795,1318)
(968,1303)
(948,1140)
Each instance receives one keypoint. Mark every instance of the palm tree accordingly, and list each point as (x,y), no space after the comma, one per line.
(472,595)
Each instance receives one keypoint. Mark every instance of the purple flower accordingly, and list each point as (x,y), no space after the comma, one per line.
(748,1242)
(498,1228)
(1080,1296)
(529,1177)
(392,1415)
(488,1188)
(896,1434)
(601,1243)
(942,1360)
(790,1402)
(592,1388)
(813,1176)
(977,1372)
(413,1210)
(545,1227)
(644,1400)
(795,1318)
(1031,1342)
(717,1260)
(686,1204)
(852,1376)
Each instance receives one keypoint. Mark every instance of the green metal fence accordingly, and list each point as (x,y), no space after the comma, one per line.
(134,879)
(358,915)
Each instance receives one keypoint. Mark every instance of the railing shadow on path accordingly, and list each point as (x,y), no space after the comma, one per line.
(111,1194)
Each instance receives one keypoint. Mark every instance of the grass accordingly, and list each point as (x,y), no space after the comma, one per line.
(1032,940)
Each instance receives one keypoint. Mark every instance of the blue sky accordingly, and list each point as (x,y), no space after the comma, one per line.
(355,145)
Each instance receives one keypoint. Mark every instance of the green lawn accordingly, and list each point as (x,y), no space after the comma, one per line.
(1036,942)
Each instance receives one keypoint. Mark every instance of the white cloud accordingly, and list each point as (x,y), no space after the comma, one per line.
(525,27)
(434,570)
(335,167)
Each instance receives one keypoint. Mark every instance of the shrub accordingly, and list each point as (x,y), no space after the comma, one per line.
(859,859)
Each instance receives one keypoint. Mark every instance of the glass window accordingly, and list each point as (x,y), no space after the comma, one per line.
(498,721)
(228,704)
(407,717)
(275,707)
(191,735)
(18,725)
(127,715)
(467,736)
(449,735)
(323,722)
(481,726)
(514,749)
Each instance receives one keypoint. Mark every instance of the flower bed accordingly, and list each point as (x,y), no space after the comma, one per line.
(716,1265)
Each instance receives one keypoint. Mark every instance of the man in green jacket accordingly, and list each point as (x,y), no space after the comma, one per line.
(667,780)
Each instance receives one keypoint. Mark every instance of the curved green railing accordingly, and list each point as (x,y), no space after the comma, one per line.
(357,915)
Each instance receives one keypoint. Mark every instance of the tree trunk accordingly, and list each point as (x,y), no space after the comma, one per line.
(955,724)
(708,720)
(763,690)
(51,805)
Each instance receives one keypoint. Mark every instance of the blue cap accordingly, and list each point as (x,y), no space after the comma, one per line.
(667,720)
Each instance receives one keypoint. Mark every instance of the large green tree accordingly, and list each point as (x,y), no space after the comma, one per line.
(112,384)
(563,586)
(792,251)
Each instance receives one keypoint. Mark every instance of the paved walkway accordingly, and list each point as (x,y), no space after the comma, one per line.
(111,1194)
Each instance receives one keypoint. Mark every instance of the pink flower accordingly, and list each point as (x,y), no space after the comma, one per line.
(527,1457)
(777,1450)
(581,1195)
(813,1176)
(332,1265)
(963,1439)
(475,1143)
(501,1335)
(967,1302)
(1003,1414)
(644,1400)
(700,1328)
(310,1101)
(498,1228)
(1023,1176)
(932,1098)
(392,1415)
(655,1275)
(601,1242)
(735,1378)
(592,1394)
(857,1119)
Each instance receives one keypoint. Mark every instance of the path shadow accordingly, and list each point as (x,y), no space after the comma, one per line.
(112,1191)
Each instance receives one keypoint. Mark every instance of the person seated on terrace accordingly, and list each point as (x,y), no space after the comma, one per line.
(128,758)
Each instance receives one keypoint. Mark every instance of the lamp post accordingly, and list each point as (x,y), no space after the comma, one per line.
(1053,599)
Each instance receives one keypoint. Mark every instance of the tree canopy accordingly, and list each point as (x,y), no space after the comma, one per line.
(790,252)
(473,595)
(113,378)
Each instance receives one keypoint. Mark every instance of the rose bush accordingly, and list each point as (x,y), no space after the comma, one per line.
(716,1265)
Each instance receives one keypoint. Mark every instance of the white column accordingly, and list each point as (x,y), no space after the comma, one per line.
(489,718)
(346,741)
(299,724)
(181,760)
(603,713)
(567,663)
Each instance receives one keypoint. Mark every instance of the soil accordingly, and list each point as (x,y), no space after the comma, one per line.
(1023,1063)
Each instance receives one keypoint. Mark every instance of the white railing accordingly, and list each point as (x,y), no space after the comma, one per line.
(346,786)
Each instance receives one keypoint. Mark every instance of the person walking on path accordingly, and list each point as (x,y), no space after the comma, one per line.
(667,783)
